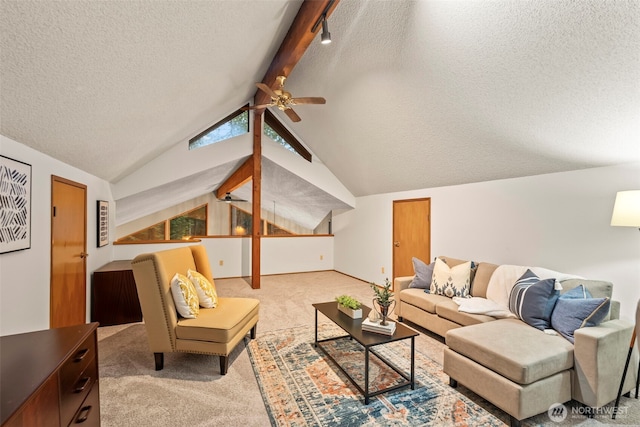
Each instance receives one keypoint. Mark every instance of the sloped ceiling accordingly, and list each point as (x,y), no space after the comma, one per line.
(431,93)
(419,93)
(85,81)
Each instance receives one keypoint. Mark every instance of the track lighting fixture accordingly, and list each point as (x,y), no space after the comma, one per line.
(326,35)
(325,38)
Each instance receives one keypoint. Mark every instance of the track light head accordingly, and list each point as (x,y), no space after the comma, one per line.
(326,35)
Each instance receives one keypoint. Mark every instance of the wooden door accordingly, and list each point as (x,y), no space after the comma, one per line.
(68,253)
(411,234)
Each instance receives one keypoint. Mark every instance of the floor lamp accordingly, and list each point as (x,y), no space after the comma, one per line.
(626,213)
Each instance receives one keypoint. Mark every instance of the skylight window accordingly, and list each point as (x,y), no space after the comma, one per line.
(234,124)
(276,131)
(268,130)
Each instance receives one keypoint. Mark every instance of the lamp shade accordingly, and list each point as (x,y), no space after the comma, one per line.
(626,210)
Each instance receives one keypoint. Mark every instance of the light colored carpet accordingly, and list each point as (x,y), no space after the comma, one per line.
(189,390)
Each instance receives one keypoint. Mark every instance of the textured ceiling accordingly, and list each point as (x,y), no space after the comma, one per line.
(282,192)
(430,93)
(419,93)
(85,81)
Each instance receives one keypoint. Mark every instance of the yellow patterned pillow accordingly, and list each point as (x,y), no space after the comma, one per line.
(206,290)
(185,296)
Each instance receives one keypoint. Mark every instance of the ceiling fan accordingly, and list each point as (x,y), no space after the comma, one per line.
(283,100)
(228,199)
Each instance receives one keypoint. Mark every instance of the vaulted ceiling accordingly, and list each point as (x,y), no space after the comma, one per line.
(419,93)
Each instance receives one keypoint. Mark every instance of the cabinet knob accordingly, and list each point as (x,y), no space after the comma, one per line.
(82,384)
(83,415)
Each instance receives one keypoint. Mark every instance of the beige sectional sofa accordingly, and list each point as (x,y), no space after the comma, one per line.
(521,369)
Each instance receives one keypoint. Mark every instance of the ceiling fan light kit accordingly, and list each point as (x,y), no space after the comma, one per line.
(283,100)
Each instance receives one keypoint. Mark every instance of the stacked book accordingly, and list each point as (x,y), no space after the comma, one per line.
(388,329)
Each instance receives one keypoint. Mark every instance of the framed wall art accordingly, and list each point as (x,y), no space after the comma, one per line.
(103,223)
(15,205)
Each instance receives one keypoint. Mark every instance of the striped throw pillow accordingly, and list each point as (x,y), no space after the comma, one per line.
(533,300)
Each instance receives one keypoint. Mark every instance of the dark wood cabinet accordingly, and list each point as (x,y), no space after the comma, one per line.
(50,378)
(114,298)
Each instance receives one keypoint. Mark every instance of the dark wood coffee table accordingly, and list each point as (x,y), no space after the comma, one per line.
(368,340)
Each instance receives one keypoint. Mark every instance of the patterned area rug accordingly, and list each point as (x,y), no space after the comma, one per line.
(302,387)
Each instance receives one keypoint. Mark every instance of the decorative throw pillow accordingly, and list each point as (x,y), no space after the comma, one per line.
(451,281)
(423,274)
(579,292)
(576,309)
(533,300)
(185,296)
(206,290)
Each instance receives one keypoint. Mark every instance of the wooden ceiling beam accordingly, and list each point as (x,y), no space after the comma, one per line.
(238,178)
(295,43)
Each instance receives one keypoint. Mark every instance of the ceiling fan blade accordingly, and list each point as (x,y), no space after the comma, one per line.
(228,199)
(308,100)
(292,115)
(266,89)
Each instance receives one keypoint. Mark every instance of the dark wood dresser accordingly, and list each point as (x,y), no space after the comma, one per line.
(114,297)
(50,378)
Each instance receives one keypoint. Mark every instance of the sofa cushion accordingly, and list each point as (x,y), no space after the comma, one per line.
(423,274)
(481,279)
(452,262)
(533,300)
(451,281)
(513,349)
(597,289)
(422,300)
(219,324)
(449,310)
(576,309)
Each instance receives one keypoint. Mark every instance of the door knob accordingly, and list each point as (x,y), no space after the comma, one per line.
(83,255)
(396,244)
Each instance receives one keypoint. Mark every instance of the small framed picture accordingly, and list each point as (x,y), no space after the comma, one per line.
(103,223)
(15,205)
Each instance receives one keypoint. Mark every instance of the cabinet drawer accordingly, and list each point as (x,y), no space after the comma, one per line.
(73,393)
(88,414)
(77,363)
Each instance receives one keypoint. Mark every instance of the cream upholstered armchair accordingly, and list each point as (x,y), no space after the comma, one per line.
(214,331)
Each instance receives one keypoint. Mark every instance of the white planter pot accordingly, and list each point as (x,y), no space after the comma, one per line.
(354,314)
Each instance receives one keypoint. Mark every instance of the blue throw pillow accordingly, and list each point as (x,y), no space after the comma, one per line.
(423,274)
(576,309)
(579,292)
(533,300)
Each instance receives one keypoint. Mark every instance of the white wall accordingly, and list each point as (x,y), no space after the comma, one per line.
(278,255)
(559,221)
(25,275)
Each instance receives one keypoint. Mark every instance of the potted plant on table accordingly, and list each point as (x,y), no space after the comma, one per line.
(383,302)
(349,306)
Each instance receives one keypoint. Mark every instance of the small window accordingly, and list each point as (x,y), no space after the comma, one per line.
(276,131)
(187,224)
(234,124)
(274,230)
(155,232)
(242,224)
(192,223)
